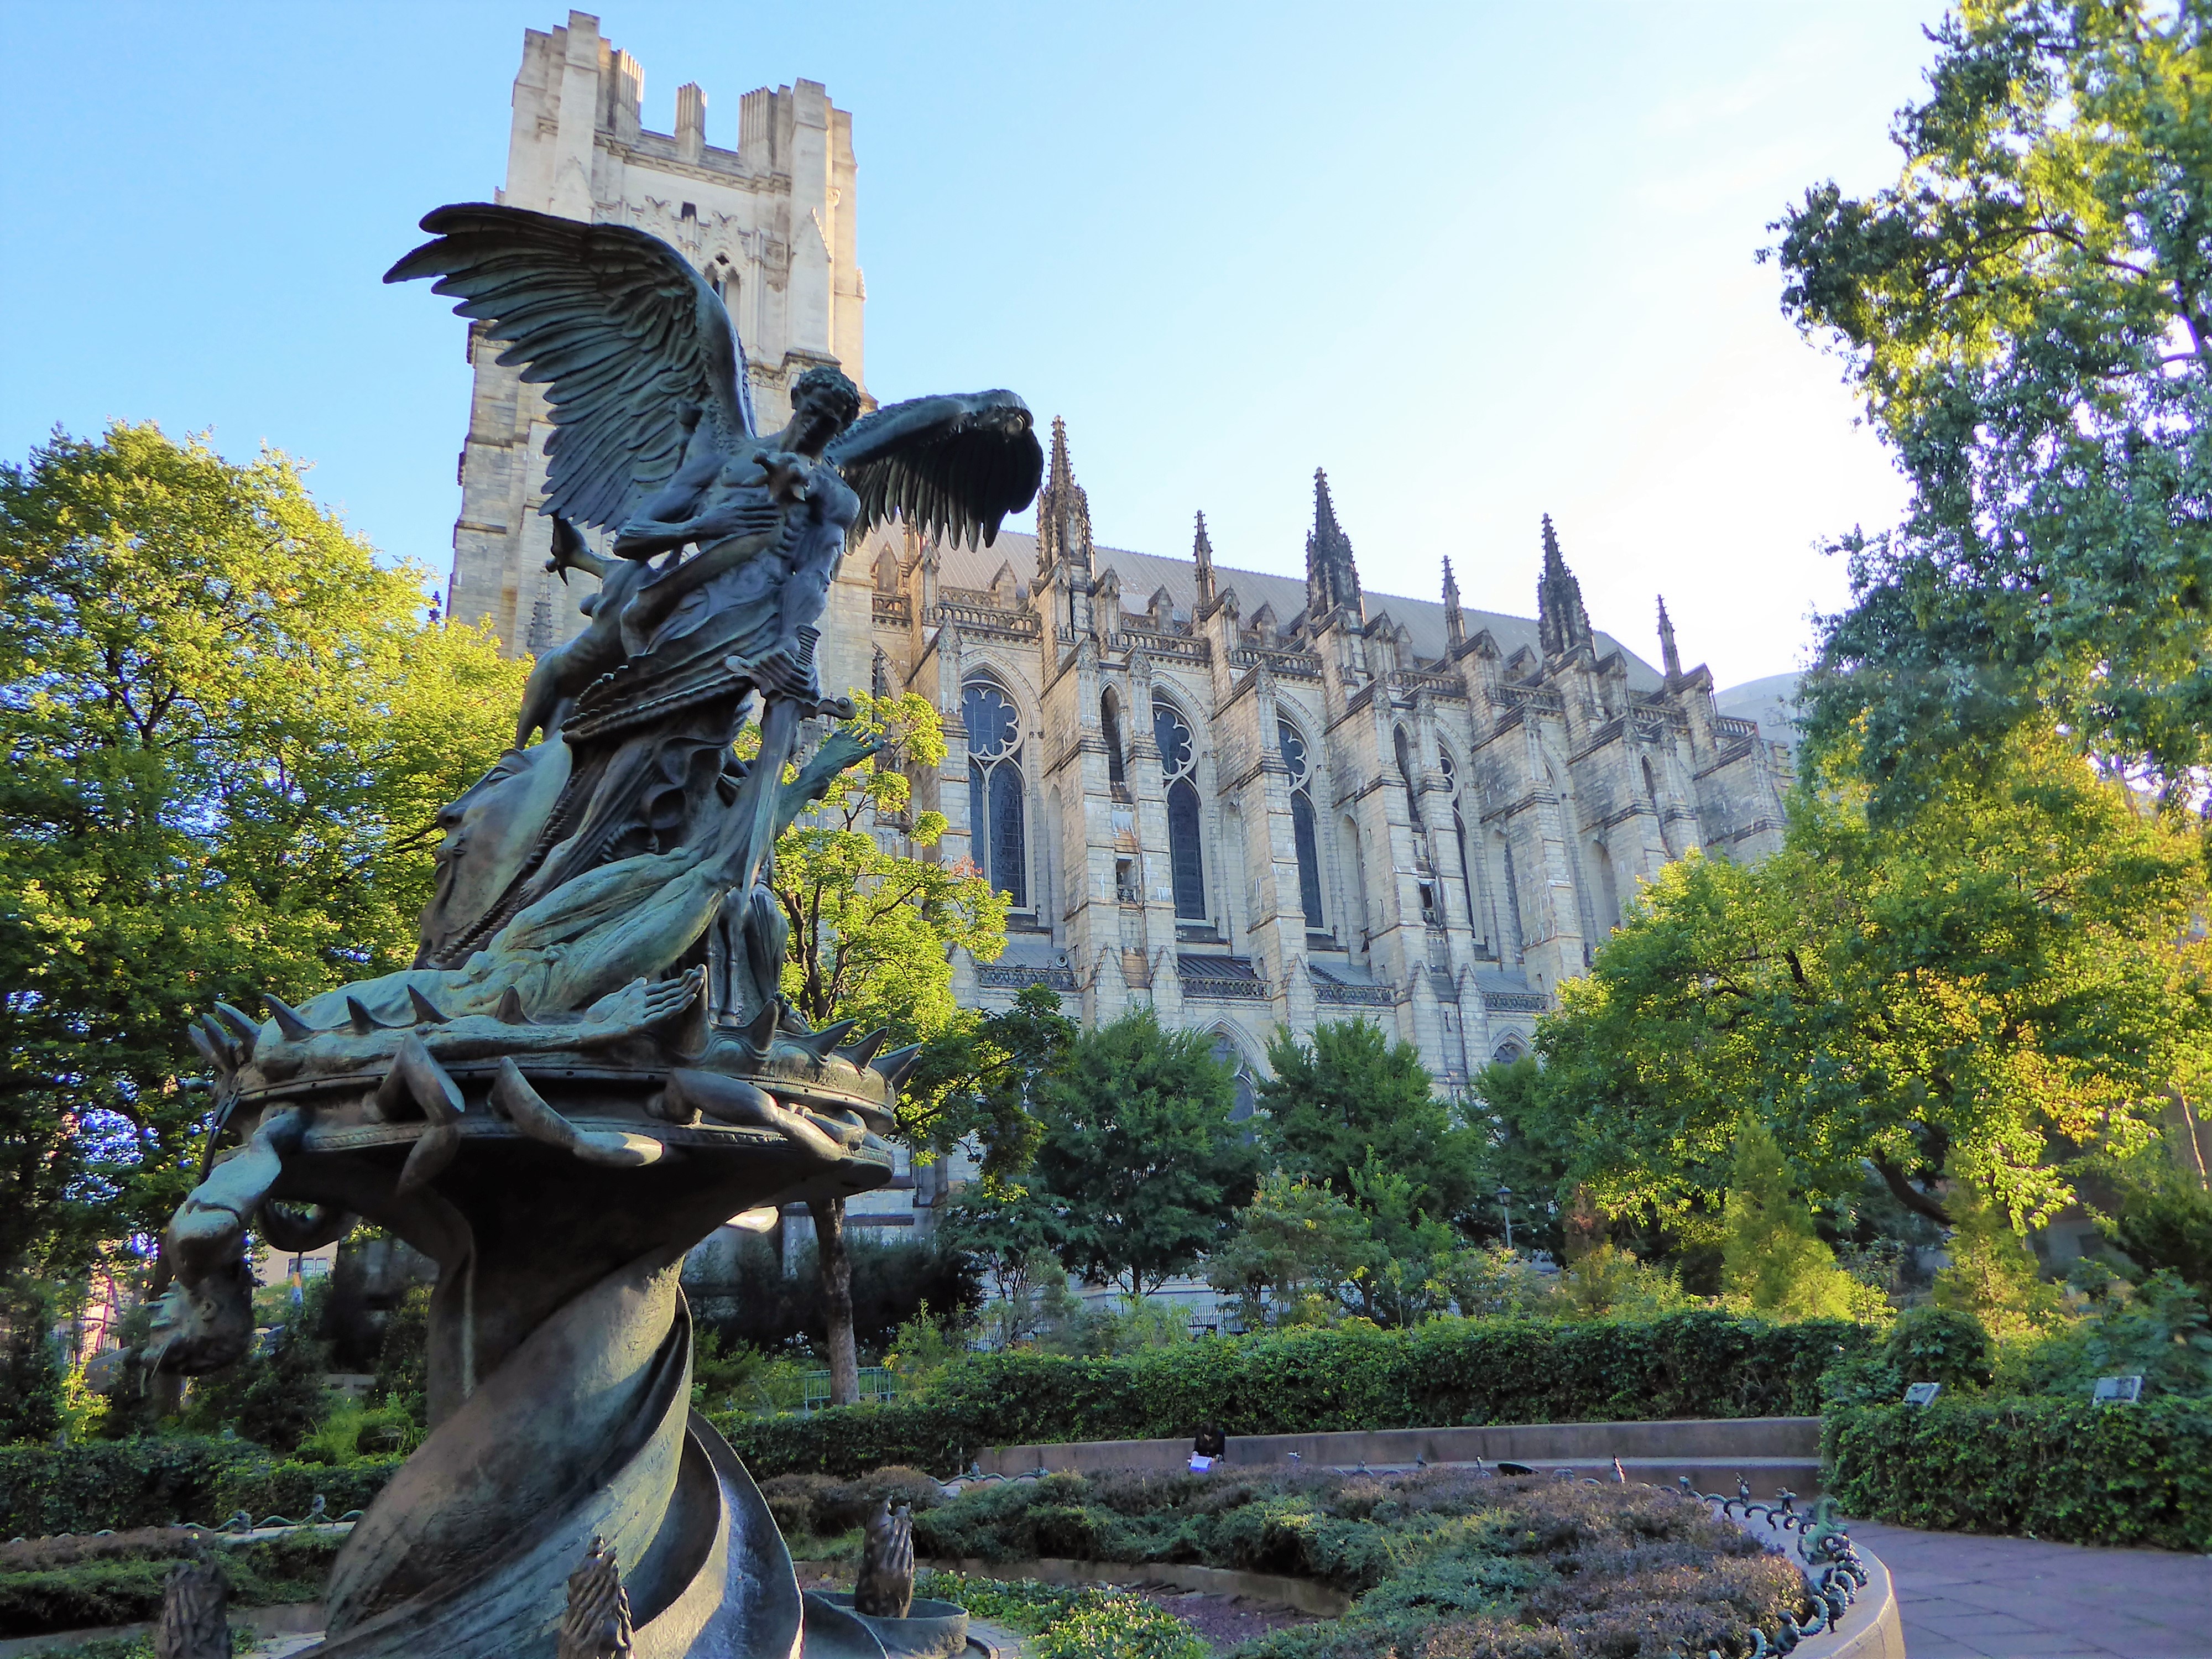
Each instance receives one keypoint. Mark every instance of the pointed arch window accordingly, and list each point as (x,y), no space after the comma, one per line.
(1451,774)
(1304,836)
(1405,772)
(995,792)
(1186,849)
(1109,727)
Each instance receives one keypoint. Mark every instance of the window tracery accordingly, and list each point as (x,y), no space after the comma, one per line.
(995,794)
(1186,850)
(1303,833)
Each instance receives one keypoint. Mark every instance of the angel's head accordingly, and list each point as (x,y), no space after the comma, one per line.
(824,402)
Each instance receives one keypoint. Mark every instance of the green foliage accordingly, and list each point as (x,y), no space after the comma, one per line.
(979,1073)
(1773,1259)
(1354,1097)
(870,929)
(1297,1250)
(1979,999)
(1926,1345)
(1611,1283)
(1011,1230)
(275,1396)
(1434,1557)
(2064,1470)
(1525,1158)
(403,1364)
(2165,1221)
(33,1392)
(1143,1166)
(2025,313)
(155,1481)
(1069,1623)
(2157,1330)
(123,1585)
(1699,1364)
(817,1506)
(228,729)
(762,1307)
(1119,1626)
(1993,1275)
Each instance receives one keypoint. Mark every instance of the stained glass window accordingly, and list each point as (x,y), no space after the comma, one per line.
(995,806)
(1309,848)
(1009,857)
(1183,851)
(1186,852)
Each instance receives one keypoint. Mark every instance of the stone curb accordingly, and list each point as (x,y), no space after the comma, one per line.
(287,1619)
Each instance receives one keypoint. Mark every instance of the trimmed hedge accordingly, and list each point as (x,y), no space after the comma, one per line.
(1449,1371)
(2064,1470)
(127,1588)
(153,1481)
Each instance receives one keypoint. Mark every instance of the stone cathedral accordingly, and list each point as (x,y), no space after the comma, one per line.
(1247,799)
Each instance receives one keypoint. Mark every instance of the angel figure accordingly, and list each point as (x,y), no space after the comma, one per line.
(724,539)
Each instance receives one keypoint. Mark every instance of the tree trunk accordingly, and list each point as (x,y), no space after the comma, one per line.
(837,1269)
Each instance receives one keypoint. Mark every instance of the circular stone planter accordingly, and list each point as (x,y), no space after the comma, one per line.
(930,1630)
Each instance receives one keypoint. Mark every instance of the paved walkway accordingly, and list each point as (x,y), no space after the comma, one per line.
(1967,1597)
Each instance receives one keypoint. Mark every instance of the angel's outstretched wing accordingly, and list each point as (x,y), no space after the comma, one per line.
(951,466)
(619,327)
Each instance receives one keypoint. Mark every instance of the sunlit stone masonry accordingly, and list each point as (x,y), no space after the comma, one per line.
(1242,798)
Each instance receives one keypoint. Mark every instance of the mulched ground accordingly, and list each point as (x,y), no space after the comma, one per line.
(1223,1621)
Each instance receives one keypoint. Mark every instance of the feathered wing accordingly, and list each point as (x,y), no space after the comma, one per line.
(617,324)
(951,466)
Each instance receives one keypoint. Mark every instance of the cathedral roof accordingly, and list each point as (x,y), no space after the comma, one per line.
(1143,574)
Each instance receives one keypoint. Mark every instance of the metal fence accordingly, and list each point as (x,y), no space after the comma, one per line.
(877,1382)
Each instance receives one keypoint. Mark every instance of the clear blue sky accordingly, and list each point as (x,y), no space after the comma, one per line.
(1481,262)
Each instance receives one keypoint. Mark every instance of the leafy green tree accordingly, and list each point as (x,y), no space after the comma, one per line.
(1772,1256)
(1978,1000)
(31,1392)
(2028,312)
(870,934)
(2165,1222)
(1523,1162)
(1295,1253)
(1353,1091)
(228,729)
(1141,1160)
(1012,1231)
(978,1079)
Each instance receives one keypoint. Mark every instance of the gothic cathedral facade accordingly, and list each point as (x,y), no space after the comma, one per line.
(1247,800)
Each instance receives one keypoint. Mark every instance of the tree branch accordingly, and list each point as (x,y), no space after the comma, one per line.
(1906,1193)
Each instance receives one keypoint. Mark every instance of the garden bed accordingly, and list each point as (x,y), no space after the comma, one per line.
(1437,1562)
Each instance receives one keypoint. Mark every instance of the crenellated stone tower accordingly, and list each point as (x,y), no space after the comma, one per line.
(769,221)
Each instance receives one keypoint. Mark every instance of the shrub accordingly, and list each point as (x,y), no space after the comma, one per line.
(739,1291)
(2061,1469)
(1926,1345)
(121,1584)
(1701,1363)
(1444,1562)
(32,1383)
(152,1482)
(817,1506)
(1069,1624)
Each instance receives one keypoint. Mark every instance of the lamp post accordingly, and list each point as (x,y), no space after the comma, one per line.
(1505,1202)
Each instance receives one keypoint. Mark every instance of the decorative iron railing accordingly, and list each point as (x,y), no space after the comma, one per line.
(1224,990)
(1354,996)
(992,978)
(1515,1002)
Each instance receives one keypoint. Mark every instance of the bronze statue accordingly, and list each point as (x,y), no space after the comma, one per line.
(549,1102)
(884,1587)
